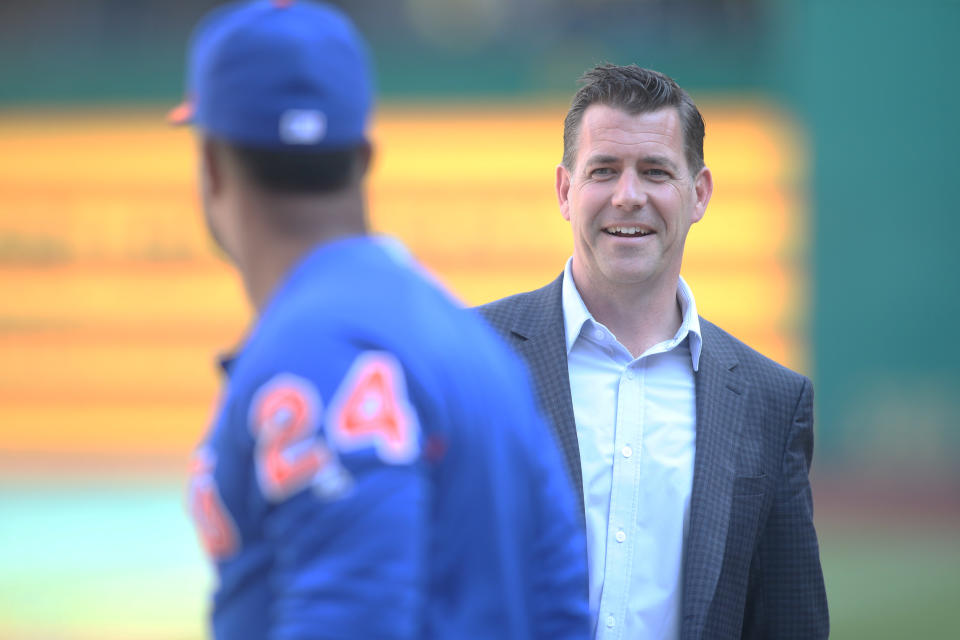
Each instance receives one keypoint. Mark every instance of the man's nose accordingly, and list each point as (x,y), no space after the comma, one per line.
(630,193)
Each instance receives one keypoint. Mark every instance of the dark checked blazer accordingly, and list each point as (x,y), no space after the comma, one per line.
(751,562)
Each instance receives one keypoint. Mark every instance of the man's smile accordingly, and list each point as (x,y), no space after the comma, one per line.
(627,231)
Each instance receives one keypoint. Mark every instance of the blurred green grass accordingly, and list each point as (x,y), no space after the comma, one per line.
(891,579)
(84,562)
(81,561)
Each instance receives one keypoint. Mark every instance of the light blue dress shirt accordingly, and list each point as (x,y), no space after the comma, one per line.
(636,428)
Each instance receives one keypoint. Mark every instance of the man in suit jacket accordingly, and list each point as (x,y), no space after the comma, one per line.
(691,449)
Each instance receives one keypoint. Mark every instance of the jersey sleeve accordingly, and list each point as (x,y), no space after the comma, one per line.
(559,604)
(344,495)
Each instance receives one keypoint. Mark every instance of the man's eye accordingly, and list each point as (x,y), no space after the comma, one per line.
(657,173)
(599,172)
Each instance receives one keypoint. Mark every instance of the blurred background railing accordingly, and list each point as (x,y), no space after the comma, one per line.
(832,138)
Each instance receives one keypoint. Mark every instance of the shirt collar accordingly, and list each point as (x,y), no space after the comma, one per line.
(576,314)
(691,321)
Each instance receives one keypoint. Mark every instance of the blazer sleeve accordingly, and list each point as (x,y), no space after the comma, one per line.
(792,601)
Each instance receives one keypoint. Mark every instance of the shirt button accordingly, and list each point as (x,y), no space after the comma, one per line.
(610,622)
(629,374)
(598,334)
(627,451)
(621,536)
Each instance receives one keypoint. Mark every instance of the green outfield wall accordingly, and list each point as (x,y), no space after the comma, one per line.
(876,85)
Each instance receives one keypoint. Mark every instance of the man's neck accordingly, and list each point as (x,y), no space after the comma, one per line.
(270,269)
(639,316)
(269,255)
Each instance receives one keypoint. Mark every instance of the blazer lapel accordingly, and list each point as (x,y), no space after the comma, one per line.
(719,402)
(538,335)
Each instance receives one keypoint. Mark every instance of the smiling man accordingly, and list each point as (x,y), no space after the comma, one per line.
(691,449)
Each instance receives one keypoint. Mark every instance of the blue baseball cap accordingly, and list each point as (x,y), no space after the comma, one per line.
(278,75)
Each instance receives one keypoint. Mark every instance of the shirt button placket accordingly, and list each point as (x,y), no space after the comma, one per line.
(622,497)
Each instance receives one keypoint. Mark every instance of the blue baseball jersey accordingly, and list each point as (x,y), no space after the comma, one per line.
(378,469)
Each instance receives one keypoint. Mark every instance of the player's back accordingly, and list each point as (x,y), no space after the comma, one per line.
(446,512)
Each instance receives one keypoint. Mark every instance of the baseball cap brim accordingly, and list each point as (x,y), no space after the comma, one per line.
(182,114)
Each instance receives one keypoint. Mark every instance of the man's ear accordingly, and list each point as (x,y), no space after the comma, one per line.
(563,191)
(703,189)
(364,159)
(211,167)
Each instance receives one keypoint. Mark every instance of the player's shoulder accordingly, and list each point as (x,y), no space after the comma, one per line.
(758,368)
(322,326)
(294,338)
(296,326)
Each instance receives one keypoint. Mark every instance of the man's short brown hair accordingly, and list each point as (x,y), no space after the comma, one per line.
(634,90)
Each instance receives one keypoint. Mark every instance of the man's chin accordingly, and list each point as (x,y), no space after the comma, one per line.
(631,274)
